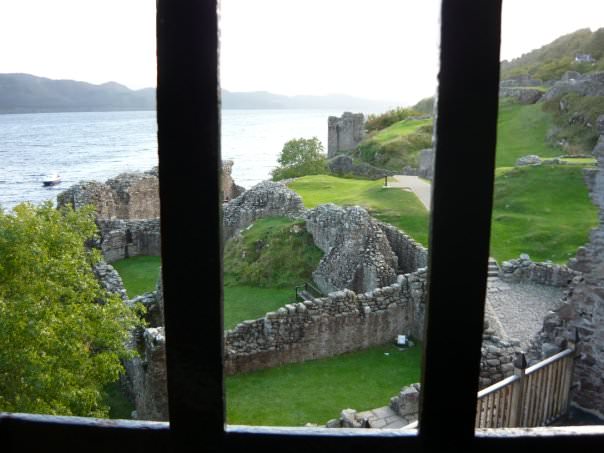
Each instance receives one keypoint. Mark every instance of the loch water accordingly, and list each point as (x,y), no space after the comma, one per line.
(82,146)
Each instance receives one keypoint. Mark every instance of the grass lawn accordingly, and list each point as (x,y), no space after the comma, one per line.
(396,207)
(521,130)
(139,273)
(544,211)
(243,302)
(316,391)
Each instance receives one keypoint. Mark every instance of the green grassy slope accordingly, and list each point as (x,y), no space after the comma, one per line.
(521,130)
(397,207)
(543,211)
(398,145)
(316,391)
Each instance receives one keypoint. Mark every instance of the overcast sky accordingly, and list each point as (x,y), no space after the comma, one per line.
(380,49)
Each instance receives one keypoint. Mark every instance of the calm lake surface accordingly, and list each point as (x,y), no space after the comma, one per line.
(100,145)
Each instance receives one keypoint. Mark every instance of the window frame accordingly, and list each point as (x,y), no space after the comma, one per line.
(188,101)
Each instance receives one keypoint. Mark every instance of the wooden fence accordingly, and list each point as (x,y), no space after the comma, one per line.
(534,396)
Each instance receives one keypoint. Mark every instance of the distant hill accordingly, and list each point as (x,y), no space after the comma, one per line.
(554,59)
(266,100)
(24,93)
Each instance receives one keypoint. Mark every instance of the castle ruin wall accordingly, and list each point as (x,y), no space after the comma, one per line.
(344,133)
(341,322)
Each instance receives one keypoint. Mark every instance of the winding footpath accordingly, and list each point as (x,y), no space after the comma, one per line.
(415,184)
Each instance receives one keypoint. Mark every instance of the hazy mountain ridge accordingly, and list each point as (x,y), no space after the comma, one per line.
(266,100)
(25,93)
(552,60)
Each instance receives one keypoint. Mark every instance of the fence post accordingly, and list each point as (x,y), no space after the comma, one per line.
(520,366)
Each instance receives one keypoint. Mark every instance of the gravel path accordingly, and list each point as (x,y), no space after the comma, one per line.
(521,307)
(421,188)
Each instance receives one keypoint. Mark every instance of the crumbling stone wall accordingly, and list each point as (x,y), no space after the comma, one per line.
(582,310)
(341,322)
(263,200)
(496,361)
(147,375)
(410,253)
(230,190)
(344,133)
(545,273)
(145,379)
(357,253)
(127,196)
(126,238)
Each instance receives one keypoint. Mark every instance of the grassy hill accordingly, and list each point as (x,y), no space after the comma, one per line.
(522,130)
(554,59)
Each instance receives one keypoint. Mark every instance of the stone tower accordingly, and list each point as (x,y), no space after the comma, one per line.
(344,133)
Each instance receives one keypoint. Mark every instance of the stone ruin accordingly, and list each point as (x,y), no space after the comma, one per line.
(582,311)
(230,190)
(344,133)
(357,253)
(265,199)
(129,196)
(127,210)
(386,302)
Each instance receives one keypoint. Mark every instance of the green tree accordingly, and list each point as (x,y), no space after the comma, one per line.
(61,334)
(300,157)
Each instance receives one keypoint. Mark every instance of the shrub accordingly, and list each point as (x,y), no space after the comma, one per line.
(300,157)
(379,122)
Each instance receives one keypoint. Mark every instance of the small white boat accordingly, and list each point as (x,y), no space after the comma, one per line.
(51,180)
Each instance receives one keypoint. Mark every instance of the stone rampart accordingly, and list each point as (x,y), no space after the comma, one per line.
(411,254)
(344,133)
(545,273)
(127,196)
(263,200)
(147,376)
(126,238)
(496,360)
(357,253)
(230,190)
(586,85)
(522,95)
(582,310)
(341,322)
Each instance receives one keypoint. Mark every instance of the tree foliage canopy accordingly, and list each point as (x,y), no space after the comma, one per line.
(300,157)
(61,334)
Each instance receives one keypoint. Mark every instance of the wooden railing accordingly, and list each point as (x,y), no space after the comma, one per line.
(534,396)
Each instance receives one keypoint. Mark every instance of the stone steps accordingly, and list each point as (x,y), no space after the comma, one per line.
(493,269)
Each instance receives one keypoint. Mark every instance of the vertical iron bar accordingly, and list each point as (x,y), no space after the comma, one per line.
(189,167)
(462,190)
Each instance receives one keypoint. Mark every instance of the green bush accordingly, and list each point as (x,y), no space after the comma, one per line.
(382,121)
(275,252)
(300,157)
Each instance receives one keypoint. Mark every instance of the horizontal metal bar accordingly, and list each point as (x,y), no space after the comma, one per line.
(549,361)
(497,386)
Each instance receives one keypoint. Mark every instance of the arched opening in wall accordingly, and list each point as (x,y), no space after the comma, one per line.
(79,209)
(324,265)
(537,367)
